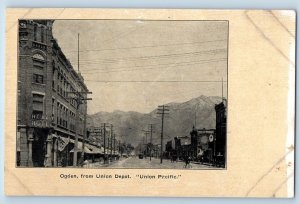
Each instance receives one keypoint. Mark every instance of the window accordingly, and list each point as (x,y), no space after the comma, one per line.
(37,78)
(37,98)
(53,76)
(42,35)
(57,114)
(39,58)
(35,33)
(37,102)
(53,110)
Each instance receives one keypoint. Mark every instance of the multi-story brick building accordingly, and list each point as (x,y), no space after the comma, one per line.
(46,118)
(221,121)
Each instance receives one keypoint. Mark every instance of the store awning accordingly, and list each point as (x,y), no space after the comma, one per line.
(86,150)
(89,149)
(95,150)
(62,143)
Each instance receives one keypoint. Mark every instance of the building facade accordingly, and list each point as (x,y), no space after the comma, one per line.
(200,145)
(203,144)
(221,121)
(46,117)
(183,147)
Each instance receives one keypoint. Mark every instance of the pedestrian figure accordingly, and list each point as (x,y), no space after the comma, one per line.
(174,158)
(85,164)
(187,162)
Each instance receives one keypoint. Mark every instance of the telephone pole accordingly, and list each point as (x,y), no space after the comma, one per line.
(80,98)
(104,141)
(78,54)
(162,110)
(151,131)
(108,145)
(222,89)
(98,133)
(146,132)
(114,144)
(84,132)
(111,140)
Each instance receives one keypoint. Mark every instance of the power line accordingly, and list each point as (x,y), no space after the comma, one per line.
(150,65)
(165,81)
(113,60)
(146,46)
(159,67)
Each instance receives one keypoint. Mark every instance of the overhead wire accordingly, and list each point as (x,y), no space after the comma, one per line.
(160,66)
(114,60)
(145,46)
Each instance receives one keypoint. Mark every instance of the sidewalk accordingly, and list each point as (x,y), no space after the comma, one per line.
(102,164)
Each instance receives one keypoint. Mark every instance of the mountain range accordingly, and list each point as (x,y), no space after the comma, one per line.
(129,126)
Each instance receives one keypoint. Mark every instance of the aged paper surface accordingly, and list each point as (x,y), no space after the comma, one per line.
(260,111)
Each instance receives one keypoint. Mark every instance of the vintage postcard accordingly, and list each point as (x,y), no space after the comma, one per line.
(135,102)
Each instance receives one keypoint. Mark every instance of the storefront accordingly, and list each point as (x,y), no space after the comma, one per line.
(34,145)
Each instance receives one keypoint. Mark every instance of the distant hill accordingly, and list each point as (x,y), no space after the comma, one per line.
(179,122)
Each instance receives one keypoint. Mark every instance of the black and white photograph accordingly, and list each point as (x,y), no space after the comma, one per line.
(122,94)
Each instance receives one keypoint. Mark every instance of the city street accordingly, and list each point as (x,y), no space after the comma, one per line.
(135,162)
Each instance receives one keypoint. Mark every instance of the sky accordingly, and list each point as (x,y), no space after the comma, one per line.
(133,65)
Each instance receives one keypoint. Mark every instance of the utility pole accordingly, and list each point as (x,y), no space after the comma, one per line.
(196,109)
(80,98)
(77,96)
(111,140)
(222,89)
(104,141)
(162,110)
(144,145)
(114,144)
(84,131)
(151,131)
(76,134)
(78,55)
(98,133)
(146,132)
(108,145)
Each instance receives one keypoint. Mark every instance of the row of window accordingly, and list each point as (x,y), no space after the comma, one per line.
(65,118)
(63,86)
(60,83)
